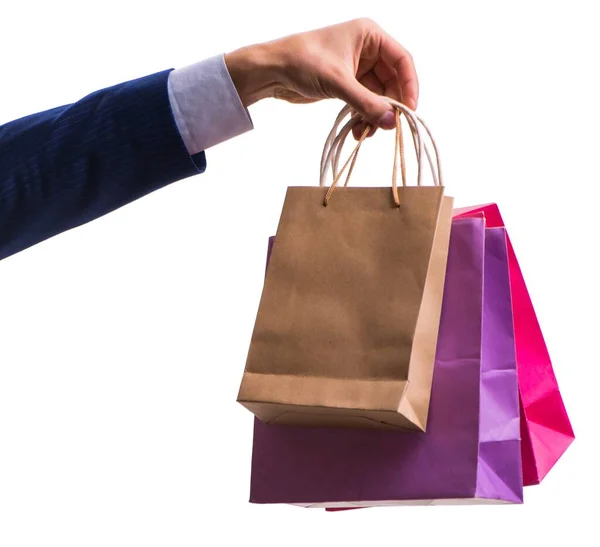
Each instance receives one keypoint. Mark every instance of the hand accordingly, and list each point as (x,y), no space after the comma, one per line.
(356,62)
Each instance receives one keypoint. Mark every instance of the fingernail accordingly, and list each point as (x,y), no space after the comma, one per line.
(387,120)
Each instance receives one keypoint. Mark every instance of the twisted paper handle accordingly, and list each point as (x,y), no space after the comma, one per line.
(399,151)
(334,143)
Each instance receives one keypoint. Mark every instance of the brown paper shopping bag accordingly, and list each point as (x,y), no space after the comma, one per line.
(347,325)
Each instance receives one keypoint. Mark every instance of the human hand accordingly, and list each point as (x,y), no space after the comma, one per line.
(356,62)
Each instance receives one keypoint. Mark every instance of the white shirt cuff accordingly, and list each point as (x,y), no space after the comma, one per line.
(206,105)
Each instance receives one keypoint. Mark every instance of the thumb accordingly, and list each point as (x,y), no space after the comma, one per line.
(370,106)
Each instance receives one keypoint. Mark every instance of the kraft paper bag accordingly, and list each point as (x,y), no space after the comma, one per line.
(347,325)
(471,451)
(545,426)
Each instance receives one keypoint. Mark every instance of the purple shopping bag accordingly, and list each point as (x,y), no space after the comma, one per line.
(471,451)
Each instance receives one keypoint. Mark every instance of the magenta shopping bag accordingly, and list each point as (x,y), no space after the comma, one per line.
(471,451)
(546,430)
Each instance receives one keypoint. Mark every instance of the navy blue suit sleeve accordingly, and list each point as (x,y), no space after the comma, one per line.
(69,165)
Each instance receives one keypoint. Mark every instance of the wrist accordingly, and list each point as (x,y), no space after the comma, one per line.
(255,71)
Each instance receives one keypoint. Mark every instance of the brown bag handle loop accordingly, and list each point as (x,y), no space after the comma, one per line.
(351,161)
(334,143)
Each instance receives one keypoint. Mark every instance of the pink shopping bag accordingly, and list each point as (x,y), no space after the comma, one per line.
(546,431)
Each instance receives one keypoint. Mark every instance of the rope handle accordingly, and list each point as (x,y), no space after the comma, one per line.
(334,143)
(413,120)
(435,170)
(351,161)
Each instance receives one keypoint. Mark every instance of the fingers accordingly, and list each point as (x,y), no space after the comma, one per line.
(359,129)
(371,82)
(402,82)
(392,73)
(373,108)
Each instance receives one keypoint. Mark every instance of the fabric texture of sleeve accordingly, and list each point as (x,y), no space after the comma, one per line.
(69,165)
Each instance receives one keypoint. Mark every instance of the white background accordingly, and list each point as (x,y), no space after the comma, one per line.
(122,343)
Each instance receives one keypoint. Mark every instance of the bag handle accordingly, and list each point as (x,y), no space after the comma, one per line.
(413,120)
(334,143)
(340,139)
(351,161)
(436,176)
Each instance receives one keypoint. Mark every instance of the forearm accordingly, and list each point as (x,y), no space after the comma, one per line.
(70,165)
(67,166)
(62,168)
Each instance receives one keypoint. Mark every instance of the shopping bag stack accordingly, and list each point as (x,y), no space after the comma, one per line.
(396,356)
